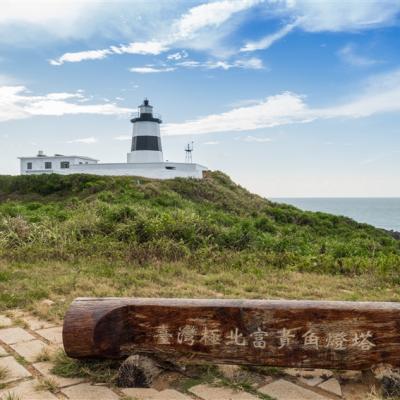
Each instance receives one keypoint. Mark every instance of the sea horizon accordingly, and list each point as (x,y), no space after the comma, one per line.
(381,212)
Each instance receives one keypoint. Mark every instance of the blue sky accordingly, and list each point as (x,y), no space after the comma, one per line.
(291,98)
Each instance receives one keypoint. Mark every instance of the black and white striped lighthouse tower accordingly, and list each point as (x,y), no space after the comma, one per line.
(146,139)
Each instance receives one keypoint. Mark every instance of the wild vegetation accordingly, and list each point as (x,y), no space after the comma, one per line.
(62,236)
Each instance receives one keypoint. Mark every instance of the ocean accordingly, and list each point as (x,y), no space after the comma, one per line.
(380,212)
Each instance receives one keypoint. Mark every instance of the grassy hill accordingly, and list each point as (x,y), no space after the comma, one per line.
(62,236)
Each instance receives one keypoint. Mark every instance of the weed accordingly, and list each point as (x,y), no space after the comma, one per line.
(44,355)
(4,373)
(47,384)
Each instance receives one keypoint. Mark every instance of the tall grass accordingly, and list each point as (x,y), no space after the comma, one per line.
(197,222)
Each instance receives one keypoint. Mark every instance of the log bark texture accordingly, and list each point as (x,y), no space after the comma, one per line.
(318,334)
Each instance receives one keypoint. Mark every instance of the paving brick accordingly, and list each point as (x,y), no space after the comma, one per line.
(29,350)
(284,390)
(45,367)
(27,391)
(140,393)
(2,352)
(85,391)
(53,335)
(35,323)
(333,386)
(15,335)
(170,394)
(207,392)
(5,321)
(15,370)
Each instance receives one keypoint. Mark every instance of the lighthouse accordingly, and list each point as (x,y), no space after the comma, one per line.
(144,160)
(146,139)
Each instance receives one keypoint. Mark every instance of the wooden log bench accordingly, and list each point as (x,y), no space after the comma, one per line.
(302,334)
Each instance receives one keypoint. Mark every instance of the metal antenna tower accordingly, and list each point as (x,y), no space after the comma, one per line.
(188,151)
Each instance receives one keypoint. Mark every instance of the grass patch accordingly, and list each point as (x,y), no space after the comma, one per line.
(11,396)
(97,371)
(47,384)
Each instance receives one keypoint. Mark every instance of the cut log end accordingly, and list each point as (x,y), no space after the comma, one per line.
(138,371)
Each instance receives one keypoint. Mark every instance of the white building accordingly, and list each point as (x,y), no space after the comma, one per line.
(145,158)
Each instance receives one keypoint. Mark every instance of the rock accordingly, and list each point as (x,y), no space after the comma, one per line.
(309,373)
(354,376)
(332,385)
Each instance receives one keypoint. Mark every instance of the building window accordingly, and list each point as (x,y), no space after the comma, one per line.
(47,165)
(29,165)
(64,164)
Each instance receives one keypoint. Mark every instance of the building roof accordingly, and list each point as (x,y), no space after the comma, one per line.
(59,156)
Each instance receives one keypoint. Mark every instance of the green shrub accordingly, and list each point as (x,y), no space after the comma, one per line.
(51,217)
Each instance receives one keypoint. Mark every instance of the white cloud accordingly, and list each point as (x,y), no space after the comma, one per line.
(191,23)
(274,110)
(178,56)
(211,14)
(256,139)
(268,40)
(87,140)
(250,63)
(348,55)
(16,102)
(336,16)
(326,16)
(80,56)
(61,17)
(151,70)
(381,94)
(150,47)
(32,22)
